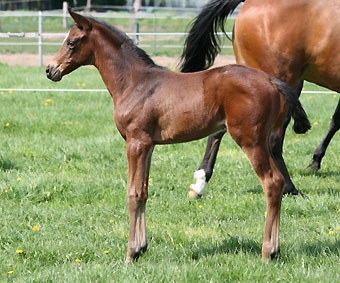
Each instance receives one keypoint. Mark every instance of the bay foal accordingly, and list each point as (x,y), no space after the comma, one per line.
(156,106)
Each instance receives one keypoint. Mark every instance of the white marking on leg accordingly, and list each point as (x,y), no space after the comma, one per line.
(200,185)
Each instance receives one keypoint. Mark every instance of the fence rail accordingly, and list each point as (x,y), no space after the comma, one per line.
(105,90)
(45,38)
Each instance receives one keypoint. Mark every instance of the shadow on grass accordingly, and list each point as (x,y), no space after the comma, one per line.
(6,164)
(235,245)
(322,174)
(232,245)
(326,248)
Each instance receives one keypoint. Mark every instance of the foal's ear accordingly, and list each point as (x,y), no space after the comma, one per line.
(81,21)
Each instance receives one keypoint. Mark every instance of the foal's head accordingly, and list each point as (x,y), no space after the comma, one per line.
(77,49)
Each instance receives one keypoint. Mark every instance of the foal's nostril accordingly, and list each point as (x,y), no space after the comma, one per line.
(48,70)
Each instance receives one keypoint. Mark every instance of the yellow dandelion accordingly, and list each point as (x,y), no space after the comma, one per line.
(1,92)
(297,140)
(185,171)
(77,123)
(35,228)
(334,95)
(19,252)
(331,232)
(310,97)
(265,213)
(19,179)
(337,228)
(7,124)
(315,123)
(11,91)
(6,191)
(11,272)
(150,180)
(77,260)
(111,220)
(106,252)
(78,84)
(10,265)
(200,206)
(83,84)
(150,200)
(99,265)
(49,100)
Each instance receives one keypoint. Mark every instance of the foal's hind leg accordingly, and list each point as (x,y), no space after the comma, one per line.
(205,170)
(272,183)
(139,158)
(321,149)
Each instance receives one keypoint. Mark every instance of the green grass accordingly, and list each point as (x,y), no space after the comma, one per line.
(63,169)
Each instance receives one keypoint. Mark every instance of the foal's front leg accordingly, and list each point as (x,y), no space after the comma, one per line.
(139,158)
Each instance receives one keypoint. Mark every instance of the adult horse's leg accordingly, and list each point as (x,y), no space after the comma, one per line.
(321,149)
(139,158)
(276,144)
(205,170)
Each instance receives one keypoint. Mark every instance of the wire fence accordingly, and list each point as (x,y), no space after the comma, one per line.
(105,90)
(41,30)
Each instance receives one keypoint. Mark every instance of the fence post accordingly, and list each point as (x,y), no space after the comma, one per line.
(65,7)
(40,55)
(154,44)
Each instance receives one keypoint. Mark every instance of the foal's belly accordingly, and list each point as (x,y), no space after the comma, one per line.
(186,132)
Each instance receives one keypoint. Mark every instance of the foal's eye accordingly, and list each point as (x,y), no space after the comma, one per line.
(71,44)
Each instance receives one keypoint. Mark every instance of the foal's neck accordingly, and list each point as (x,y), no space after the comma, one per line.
(120,66)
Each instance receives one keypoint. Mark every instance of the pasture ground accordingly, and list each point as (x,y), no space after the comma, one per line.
(63,214)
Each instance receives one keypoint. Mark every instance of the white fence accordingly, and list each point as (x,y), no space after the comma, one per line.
(59,36)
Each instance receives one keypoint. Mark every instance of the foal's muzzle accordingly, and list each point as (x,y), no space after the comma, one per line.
(53,73)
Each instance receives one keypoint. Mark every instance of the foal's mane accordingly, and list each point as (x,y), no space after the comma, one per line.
(121,35)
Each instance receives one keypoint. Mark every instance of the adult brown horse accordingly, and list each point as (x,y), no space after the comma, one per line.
(156,106)
(291,40)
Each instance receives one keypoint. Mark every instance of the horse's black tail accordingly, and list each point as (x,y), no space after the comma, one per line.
(202,44)
(301,122)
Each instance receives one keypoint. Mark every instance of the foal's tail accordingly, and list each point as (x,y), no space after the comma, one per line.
(202,44)
(301,122)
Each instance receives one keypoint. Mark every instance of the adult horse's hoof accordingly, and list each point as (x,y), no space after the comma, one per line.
(193,194)
(295,192)
(314,165)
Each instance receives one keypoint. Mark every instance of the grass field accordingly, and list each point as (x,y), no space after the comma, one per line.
(63,214)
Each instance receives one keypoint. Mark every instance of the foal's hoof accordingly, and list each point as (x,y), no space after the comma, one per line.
(193,194)
(144,248)
(269,253)
(132,256)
